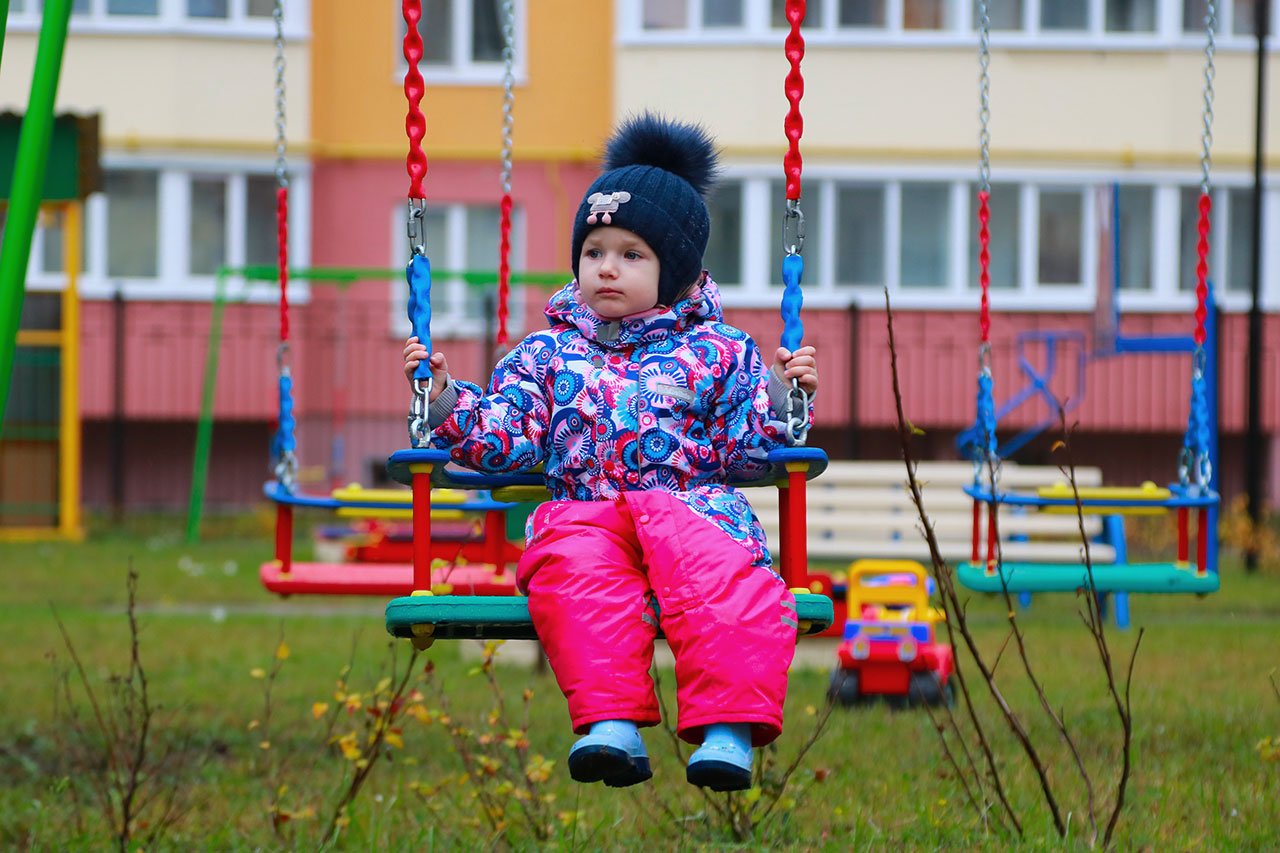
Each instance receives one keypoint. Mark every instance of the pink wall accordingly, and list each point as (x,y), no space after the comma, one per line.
(937,364)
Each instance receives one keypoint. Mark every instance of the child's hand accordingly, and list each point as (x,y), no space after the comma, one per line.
(413,355)
(801,365)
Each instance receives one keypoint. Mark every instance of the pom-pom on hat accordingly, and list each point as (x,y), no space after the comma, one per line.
(656,175)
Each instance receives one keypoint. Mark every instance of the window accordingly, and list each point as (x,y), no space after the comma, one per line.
(1236,17)
(1064,15)
(723,257)
(860,234)
(208,225)
(1136,231)
(160,232)
(1003,14)
(1237,273)
(243,17)
(1005,208)
(132,218)
(861,13)
(925,224)
(665,14)
(1131,16)
(461,38)
(260,220)
(1060,232)
(460,238)
(721,13)
(52,247)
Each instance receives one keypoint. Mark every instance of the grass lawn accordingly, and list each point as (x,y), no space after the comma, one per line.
(1202,701)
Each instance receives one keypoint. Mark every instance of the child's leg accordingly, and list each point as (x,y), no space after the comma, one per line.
(589,600)
(730,625)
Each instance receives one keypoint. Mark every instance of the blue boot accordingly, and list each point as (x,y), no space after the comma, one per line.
(613,753)
(723,762)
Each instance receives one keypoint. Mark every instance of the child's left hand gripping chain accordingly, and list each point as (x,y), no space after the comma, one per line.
(414,352)
(801,365)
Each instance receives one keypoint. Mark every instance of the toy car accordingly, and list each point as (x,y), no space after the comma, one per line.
(890,649)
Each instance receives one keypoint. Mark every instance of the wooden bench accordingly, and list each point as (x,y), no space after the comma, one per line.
(862,509)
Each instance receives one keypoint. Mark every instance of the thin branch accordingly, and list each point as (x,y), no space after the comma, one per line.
(946,585)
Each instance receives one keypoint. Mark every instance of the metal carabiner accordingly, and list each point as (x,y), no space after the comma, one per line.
(417,226)
(793,228)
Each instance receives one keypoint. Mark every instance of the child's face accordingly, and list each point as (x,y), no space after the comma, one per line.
(617,273)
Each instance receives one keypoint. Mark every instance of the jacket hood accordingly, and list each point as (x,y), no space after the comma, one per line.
(700,305)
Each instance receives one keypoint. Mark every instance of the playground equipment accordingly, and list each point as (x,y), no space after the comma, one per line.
(424,617)
(40,454)
(1194,490)
(283,574)
(890,648)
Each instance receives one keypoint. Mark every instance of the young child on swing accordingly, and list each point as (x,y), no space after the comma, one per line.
(640,402)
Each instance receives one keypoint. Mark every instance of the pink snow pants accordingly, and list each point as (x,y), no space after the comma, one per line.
(592,570)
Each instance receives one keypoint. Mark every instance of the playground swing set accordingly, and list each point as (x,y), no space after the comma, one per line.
(1194,490)
(471,541)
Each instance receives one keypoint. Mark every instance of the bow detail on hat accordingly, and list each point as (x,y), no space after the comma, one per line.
(605,203)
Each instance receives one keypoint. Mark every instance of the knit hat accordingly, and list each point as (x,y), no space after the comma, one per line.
(656,174)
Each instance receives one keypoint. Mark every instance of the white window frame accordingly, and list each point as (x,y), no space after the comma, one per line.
(464,71)
(761,286)
(173,279)
(453,323)
(172,19)
(756,29)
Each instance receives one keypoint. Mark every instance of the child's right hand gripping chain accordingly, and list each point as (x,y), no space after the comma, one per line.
(414,352)
(801,365)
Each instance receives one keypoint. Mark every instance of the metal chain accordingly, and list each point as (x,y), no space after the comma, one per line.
(282,173)
(508,90)
(1206,133)
(984,96)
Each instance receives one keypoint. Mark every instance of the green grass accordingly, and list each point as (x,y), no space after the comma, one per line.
(1202,700)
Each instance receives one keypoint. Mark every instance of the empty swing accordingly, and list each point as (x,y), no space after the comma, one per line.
(1193,493)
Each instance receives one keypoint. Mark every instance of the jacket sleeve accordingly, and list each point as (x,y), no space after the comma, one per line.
(751,414)
(500,429)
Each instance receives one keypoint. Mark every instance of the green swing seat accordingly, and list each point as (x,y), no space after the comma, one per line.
(506,617)
(1065,577)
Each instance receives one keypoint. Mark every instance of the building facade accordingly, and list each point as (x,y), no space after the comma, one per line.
(1084,96)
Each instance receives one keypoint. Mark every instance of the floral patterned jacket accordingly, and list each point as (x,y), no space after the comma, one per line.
(676,400)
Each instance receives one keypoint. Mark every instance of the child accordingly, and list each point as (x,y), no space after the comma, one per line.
(640,403)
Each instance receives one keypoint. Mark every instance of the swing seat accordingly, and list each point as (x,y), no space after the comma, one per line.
(1147,499)
(1068,577)
(530,485)
(397,503)
(382,579)
(506,617)
(1102,500)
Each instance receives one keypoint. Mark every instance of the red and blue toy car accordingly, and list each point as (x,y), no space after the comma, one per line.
(890,649)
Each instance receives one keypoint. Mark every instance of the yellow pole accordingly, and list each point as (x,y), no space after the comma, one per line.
(69,462)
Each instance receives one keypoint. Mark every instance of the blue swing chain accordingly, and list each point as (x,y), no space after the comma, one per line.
(796,412)
(418,272)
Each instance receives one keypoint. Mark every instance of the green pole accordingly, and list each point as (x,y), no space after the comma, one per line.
(28,180)
(204,426)
(4,15)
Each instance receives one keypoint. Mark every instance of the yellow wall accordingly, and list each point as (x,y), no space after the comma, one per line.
(1047,106)
(562,110)
(170,92)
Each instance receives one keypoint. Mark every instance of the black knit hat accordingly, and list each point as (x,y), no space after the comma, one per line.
(657,172)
